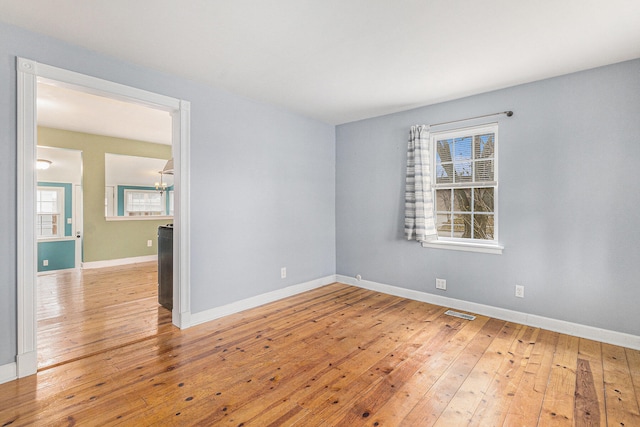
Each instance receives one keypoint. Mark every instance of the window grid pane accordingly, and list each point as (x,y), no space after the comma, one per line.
(483,227)
(444,160)
(49,203)
(462,147)
(47,225)
(444,225)
(471,210)
(144,203)
(462,226)
(465,181)
(443,200)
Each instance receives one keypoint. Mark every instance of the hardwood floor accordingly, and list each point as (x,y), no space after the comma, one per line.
(339,355)
(84,312)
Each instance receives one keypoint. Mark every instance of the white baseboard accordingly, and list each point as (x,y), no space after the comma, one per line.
(181,320)
(120,261)
(26,364)
(575,329)
(8,372)
(258,300)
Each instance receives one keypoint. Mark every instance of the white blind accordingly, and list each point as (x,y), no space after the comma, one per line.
(465,160)
(144,201)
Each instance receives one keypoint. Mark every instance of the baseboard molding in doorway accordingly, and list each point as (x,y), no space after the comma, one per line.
(117,262)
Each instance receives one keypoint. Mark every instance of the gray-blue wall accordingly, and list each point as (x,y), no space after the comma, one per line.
(273,189)
(569,201)
(262,182)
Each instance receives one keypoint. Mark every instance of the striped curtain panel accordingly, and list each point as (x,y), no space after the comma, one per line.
(419,221)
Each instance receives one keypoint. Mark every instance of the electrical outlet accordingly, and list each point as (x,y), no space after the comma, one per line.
(283,273)
(69,221)
(520,291)
(45,262)
(441,284)
(149,243)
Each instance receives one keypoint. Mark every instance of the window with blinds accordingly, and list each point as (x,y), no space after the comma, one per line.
(49,207)
(466,183)
(143,203)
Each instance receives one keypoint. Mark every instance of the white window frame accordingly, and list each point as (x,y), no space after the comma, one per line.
(458,243)
(109,201)
(127,211)
(60,214)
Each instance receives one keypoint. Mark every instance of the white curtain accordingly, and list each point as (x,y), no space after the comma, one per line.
(419,221)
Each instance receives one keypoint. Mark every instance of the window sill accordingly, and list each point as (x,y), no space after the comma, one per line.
(495,249)
(140,218)
(55,239)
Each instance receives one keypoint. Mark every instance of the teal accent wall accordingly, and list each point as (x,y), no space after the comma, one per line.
(61,254)
(122,188)
(68,203)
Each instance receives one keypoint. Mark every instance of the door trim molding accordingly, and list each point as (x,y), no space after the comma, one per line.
(28,73)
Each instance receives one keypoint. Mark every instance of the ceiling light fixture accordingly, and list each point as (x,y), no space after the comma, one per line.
(42,164)
(161,186)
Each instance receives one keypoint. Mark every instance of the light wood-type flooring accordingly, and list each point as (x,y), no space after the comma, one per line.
(338,356)
(84,312)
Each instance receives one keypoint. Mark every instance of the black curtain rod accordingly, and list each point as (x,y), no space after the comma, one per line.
(507,113)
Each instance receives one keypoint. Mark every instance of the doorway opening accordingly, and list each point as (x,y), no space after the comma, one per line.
(111,299)
(29,74)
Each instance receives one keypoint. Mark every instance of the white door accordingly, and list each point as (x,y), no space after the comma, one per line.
(78,221)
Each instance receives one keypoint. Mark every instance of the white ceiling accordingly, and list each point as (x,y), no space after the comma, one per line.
(66,165)
(133,170)
(63,108)
(344,60)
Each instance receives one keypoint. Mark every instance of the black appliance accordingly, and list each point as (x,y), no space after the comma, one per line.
(165,266)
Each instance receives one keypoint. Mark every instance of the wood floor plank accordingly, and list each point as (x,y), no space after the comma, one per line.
(590,400)
(336,355)
(559,398)
(526,406)
(473,391)
(633,358)
(621,398)
(436,399)
(498,397)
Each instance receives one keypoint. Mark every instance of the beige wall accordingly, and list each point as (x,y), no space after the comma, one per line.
(106,240)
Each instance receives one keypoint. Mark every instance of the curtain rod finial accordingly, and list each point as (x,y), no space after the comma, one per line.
(509,113)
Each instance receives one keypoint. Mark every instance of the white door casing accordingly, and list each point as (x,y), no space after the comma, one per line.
(78,223)
(28,73)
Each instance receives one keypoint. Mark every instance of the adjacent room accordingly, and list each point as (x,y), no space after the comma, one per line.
(406,213)
(101,167)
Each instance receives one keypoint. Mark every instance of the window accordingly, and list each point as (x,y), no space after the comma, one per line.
(466,185)
(143,203)
(171,199)
(49,208)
